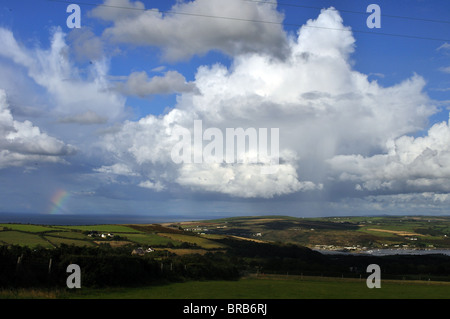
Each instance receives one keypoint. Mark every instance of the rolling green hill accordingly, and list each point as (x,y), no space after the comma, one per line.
(330,233)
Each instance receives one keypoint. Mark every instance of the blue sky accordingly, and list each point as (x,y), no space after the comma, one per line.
(90,114)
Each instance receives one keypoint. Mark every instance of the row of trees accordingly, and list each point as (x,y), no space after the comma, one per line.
(106,266)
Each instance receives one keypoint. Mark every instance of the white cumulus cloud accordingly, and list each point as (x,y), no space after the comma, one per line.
(70,90)
(196,27)
(22,142)
(414,164)
(138,83)
(322,107)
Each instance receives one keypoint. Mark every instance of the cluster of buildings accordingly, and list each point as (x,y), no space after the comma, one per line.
(95,233)
(141,251)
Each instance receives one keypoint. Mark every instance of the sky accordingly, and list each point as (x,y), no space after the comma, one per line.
(103,117)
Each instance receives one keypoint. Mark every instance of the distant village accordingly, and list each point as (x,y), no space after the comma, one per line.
(214,230)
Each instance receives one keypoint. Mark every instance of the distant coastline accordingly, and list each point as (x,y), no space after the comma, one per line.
(94,219)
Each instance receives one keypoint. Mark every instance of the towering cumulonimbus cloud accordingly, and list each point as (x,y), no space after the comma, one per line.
(322,107)
(112,98)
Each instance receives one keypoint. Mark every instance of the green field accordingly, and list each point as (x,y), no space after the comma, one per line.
(201,242)
(28,228)
(67,234)
(68,241)
(335,232)
(52,236)
(267,287)
(23,239)
(281,288)
(151,239)
(102,228)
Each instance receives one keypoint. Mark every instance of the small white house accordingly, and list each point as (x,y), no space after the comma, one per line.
(141,251)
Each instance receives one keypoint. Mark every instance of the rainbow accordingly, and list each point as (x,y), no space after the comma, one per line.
(57,201)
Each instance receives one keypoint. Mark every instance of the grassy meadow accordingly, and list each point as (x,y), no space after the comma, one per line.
(263,287)
(53,236)
(199,241)
(337,232)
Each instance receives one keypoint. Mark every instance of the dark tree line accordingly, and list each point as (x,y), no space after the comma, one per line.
(293,259)
(106,266)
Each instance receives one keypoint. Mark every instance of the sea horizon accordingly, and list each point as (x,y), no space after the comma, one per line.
(93,219)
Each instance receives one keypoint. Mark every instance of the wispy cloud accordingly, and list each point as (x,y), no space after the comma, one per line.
(88,117)
(445,69)
(139,84)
